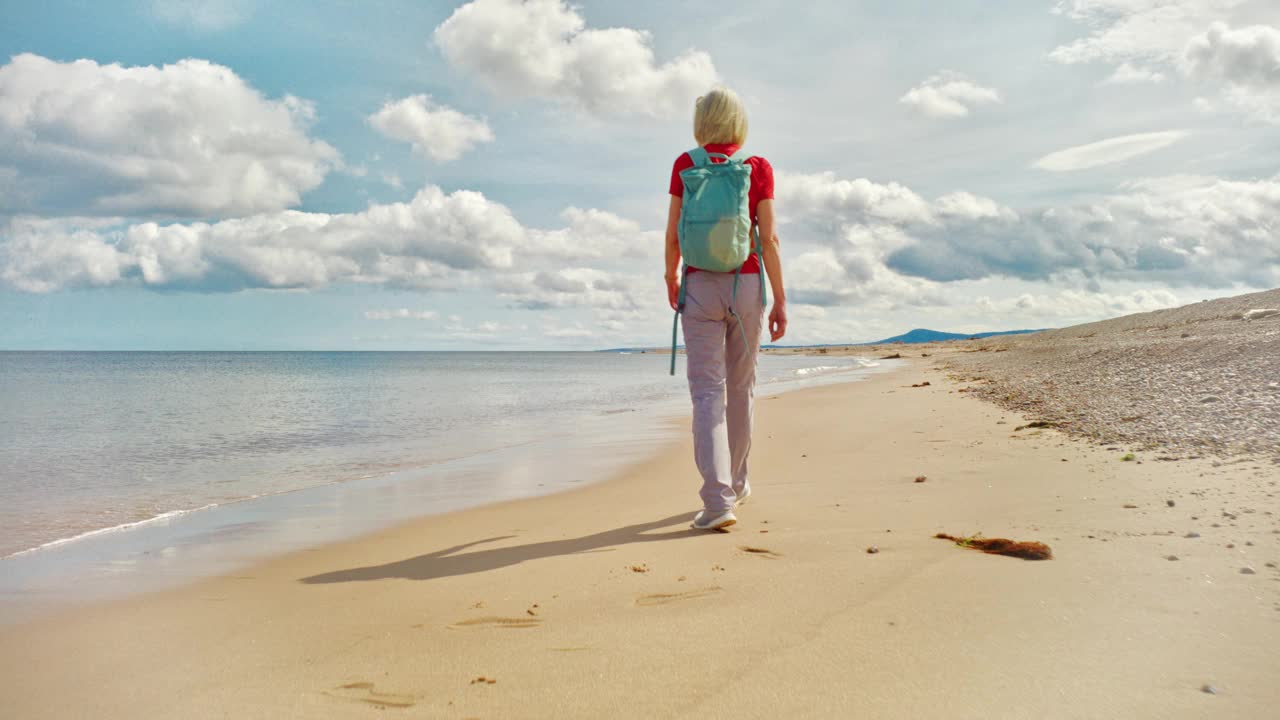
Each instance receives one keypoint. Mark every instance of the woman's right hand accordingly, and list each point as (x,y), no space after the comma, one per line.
(673,292)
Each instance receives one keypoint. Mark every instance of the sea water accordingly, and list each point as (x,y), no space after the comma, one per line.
(121,470)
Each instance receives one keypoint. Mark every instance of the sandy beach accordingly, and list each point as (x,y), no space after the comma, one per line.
(601,601)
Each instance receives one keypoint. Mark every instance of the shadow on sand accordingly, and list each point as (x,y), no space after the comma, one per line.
(447,563)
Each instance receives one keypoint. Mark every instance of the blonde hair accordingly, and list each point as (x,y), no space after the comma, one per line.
(718,117)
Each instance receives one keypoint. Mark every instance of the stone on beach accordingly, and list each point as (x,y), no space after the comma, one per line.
(1259,313)
(1135,380)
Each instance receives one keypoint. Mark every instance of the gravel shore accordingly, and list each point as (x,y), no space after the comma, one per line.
(1202,379)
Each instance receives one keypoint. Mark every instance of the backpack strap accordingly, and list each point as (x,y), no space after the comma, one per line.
(757,247)
(700,156)
(675,323)
(733,312)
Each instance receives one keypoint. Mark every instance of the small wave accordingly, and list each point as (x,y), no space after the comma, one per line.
(855,364)
(819,369)
(113,528)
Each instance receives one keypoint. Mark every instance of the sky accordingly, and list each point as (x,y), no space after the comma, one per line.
(376,175)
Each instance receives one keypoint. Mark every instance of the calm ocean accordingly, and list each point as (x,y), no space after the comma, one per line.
(109,458)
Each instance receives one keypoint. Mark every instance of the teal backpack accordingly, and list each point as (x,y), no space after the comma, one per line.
(716,233)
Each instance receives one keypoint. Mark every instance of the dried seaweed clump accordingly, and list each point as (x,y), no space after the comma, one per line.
(1002,546)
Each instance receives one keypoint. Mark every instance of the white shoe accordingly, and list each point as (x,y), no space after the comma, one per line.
(706,521)
(742,497)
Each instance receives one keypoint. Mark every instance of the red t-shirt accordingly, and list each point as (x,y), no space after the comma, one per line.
(761,187)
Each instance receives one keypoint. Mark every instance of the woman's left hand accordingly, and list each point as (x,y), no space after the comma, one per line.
(778,321)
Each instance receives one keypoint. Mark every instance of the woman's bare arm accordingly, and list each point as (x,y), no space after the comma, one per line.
(773,267)
(673,251)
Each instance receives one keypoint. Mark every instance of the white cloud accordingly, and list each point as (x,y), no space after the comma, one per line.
(1069,306)
(189,139)
(1128,74)
(486,332)
(878,246)
(852,270)
(595,234)
(1136,30)
(1180,230)
(1202,231)
(1243,56)
(41,255)
(1145,39)
(1111,150)
(967,206)
(437,131)
(435,241)
(571,287)
(947,95)
(400,314)
(209,15)
(823,195)
(542,48)
(573,332)
(1246,60)
(426,242)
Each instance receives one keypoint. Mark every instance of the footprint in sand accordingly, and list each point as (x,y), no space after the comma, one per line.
(500,622)
(759,552)
(365,692)
(663,599)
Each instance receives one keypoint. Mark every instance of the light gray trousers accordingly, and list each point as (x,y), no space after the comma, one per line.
(722,379)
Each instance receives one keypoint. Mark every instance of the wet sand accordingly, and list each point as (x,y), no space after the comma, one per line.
(601,601)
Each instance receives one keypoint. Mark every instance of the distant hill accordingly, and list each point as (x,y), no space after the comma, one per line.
(921,335)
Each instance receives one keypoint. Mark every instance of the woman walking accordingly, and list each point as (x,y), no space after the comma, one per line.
(722,311)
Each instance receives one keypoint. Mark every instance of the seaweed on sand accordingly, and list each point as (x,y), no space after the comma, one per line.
(1002,546)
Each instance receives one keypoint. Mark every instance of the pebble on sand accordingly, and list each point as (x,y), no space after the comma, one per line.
(1192,535)
(1170,557)
(1247,571)
(873,550)
(1209,689)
